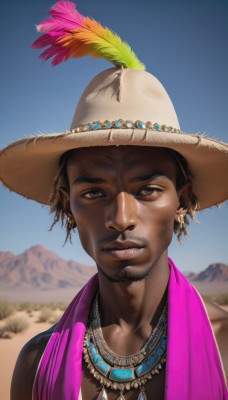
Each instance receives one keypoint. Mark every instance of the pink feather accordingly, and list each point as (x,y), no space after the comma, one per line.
(42,41)
(63,13)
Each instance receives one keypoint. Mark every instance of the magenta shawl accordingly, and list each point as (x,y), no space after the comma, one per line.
(193,368)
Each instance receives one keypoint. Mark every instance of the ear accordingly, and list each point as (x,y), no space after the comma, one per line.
(65,200)
(184,195)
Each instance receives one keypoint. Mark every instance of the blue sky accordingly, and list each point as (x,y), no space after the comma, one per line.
(183,43)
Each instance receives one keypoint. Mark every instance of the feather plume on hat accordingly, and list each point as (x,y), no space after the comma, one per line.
(69,34)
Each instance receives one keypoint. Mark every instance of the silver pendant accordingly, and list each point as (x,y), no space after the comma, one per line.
(142,395)
(121,397)
(103,395)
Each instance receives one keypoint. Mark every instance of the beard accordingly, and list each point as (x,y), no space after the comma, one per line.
(125,276)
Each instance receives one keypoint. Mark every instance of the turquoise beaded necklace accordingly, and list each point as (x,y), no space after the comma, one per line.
(124,373)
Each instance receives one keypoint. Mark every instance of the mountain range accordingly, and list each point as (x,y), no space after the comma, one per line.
(37,270)
(216,272)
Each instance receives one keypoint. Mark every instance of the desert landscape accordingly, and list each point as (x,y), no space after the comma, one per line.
(18,324)
(36,287)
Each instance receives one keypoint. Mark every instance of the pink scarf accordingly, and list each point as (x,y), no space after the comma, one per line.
(193,367)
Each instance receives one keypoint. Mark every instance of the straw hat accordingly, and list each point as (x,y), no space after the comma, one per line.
(120,106)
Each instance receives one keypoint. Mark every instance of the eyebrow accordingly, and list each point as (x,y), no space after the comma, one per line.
(88,179)
(93,179)
(149,177)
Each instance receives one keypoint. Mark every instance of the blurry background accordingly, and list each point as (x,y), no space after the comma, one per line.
(183,43)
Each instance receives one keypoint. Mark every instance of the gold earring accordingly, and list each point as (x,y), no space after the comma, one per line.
(181,220)
(71,222)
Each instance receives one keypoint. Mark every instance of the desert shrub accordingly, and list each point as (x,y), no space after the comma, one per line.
(208,297)
(16,324)
(61,305)
(4,334)
(53,306)
(37,307)
(222,299)
(58,305)
(55,318)
(28,307)
(6,309)
(45,315)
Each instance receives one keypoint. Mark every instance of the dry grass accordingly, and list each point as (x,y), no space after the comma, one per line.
(6,309)
(54,306)
(47,312)
(61,305)
(9,350)
(16,324)
(45,315)
(4,334)
(55,317)
(221,299)
(28,307)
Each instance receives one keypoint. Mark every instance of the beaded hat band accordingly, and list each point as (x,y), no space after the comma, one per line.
(120,124)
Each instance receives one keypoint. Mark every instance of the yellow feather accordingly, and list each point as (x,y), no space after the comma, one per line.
(97,41)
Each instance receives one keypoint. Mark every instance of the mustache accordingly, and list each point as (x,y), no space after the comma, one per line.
(121,239)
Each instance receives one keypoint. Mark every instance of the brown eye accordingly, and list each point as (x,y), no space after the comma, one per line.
(93,194)
(149,191)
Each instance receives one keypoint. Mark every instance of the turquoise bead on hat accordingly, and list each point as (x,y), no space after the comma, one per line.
(118,124)
(86,127)
(96,126)
(141,125)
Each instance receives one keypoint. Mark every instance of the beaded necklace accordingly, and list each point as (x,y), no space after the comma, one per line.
(124,373)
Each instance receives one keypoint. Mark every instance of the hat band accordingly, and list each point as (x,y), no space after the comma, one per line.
(121,124)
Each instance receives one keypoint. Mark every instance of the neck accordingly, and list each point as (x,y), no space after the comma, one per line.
(132,305)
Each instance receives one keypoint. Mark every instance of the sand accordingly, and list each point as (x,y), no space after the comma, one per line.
(10,348)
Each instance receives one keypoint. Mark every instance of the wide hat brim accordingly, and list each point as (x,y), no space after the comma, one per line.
(29,166)
(118,107)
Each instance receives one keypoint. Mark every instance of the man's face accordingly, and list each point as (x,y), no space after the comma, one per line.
(124,202)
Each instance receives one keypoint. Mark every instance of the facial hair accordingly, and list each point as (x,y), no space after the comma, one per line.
(125,276)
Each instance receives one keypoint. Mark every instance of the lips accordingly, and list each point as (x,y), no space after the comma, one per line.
(124,250)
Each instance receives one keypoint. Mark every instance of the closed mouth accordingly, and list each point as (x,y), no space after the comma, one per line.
(123,246)
(124,250)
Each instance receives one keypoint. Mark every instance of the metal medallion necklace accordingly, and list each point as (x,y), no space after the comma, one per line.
(124,373)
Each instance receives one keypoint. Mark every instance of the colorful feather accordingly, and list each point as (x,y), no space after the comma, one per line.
(69,34)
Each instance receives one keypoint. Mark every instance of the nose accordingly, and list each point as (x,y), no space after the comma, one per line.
(122,213)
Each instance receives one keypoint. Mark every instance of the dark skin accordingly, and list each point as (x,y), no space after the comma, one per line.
(120,194)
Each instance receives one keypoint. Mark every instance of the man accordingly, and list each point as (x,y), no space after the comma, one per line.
(125,213)
(138,329)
